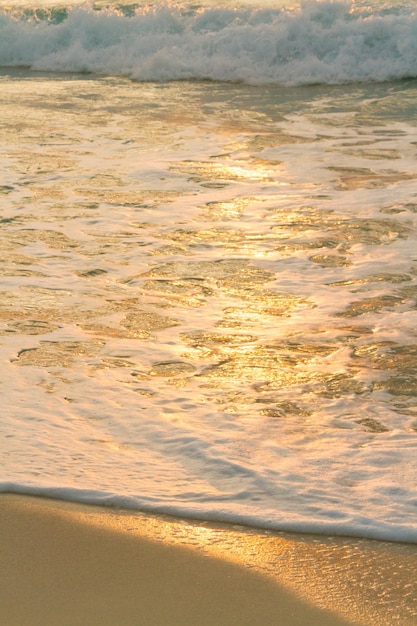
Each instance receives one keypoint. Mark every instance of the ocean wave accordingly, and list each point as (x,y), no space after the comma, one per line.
(320,42)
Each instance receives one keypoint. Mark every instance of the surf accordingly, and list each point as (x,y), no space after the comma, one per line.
(315,43)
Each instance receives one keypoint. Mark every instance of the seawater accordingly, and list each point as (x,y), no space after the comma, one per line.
(208,261)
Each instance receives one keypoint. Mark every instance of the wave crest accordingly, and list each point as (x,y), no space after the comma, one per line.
(321,42)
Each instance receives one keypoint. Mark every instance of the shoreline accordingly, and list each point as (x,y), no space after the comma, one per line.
(77,564)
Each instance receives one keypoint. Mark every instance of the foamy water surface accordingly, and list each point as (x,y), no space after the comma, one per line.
(208,300)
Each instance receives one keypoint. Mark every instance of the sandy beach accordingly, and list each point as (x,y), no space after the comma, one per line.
(72,564)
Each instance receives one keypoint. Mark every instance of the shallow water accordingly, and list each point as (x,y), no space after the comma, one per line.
(208,298)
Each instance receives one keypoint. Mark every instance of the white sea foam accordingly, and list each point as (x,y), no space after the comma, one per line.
(208,300)
(319,42)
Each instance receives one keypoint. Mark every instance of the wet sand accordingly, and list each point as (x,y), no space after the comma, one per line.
(71,565)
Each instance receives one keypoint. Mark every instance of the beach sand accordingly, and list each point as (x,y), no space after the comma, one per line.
(65,564)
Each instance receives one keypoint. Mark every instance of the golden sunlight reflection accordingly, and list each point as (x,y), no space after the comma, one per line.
(203,171)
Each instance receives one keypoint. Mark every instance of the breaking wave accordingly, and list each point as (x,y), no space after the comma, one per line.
(318,42)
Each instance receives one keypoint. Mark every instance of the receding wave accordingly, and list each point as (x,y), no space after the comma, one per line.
(326,42)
